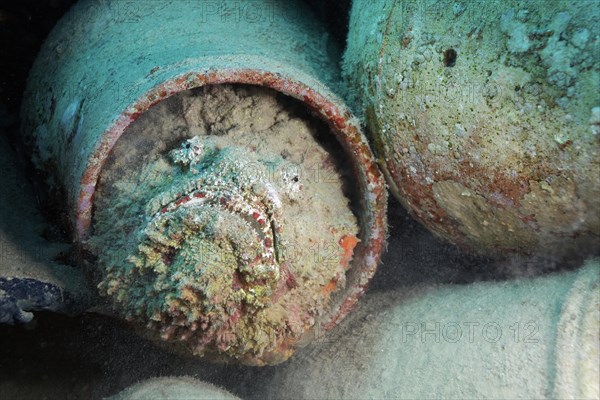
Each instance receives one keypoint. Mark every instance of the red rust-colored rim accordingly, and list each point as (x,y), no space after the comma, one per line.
(373,195)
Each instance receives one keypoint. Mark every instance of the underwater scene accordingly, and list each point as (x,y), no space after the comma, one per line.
(300,199)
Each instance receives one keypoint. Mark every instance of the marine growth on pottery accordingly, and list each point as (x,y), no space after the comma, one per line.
(220,190)
(485,116)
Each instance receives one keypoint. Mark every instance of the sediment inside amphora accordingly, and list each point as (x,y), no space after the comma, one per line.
(224,222)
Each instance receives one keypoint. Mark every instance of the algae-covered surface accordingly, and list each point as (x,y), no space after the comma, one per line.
(484,116)
(223,221)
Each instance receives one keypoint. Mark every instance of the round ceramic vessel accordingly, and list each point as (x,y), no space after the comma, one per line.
(485,117)
(105,65)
